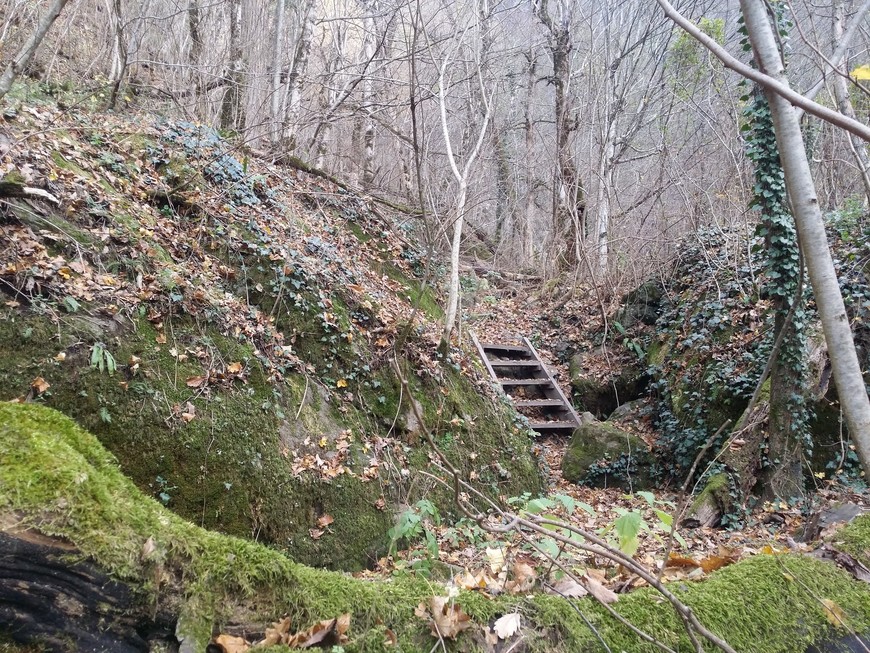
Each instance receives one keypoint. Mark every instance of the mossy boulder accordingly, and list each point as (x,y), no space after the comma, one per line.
(603,455)
(58,483)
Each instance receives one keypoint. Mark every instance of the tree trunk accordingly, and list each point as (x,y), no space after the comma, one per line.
(232,113)
(119,53)
(602,199)
(811,231)
(277,67)
(525,226)
(25,55)
(295,80)
(844,104)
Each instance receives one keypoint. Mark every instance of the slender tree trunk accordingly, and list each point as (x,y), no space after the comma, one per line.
(25,55)
(844,104)
(503,200)
(295,80)
(277,69)
(811,231)
(525,226)
(119,53)
(602,199)
(232,113)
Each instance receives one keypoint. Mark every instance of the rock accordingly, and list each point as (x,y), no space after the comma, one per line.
(641,305)
(602,455)
(713,502)
(601,396)
(630,410)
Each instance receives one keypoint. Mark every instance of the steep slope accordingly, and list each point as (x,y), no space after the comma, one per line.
(229,330)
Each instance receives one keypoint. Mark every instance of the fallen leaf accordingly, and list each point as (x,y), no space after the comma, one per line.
(341,383)
(676,560)
(231,644)
(315,533)
(148,548)
(570,588)
(600,592)
(524,577)
(506,626)
(330,632)
(390,638)
(189,413)
(196,381)
(40,385)
(833,612)
(496,559)
(325,520)
(234,368)
(277,633)
(61,357)
(160,338)
(447,619)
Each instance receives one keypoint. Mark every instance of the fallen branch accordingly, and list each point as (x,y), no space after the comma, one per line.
(18,189)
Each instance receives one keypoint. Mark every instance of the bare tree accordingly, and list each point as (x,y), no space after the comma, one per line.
(461,176)
(232,111)
(25,55)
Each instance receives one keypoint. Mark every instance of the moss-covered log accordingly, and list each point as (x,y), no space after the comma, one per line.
(175,581)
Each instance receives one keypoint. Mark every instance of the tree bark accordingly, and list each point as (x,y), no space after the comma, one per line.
(48,598)
(232,112)
(25,55)
(295,81)
(811,231)
(119,53)
(277,66)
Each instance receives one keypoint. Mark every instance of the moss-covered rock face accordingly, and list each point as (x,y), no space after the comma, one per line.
(603,455)
(240,455)
(58,479)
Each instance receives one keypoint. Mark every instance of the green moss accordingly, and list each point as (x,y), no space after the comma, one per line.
(603,454)
(855,538)
(716,492)
(226,468)
(59,479)
(64,163)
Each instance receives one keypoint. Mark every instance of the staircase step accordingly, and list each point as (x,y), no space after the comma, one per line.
(553,426)
(537,403)
(517,349)
(503,363)
(522,382)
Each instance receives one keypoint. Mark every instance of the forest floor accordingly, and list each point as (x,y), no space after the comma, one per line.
(477,561)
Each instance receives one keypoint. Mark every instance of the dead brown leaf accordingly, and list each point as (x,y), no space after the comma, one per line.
(446,619)
(40,385)
(231,644)
(524,577)
(325,520)
(196,381)
(568,587)
(600,592)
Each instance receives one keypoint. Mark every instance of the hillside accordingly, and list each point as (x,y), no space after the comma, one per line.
(228,329)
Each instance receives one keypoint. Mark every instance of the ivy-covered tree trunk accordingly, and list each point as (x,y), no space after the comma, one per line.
(811,229)
(787,421)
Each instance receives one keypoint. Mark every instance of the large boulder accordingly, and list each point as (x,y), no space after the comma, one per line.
(602,455)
